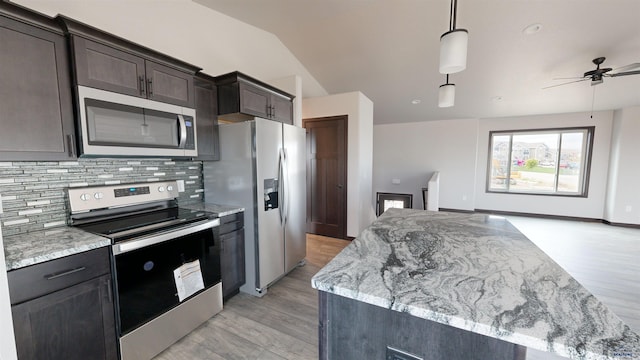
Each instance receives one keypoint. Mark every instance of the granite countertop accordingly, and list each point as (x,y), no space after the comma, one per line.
(39,246)
(478,273)
(219,210)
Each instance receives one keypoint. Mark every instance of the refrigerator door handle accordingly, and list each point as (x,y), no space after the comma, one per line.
(281,194)
(287,190)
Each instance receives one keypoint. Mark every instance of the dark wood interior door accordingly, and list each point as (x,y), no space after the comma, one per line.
(327,176)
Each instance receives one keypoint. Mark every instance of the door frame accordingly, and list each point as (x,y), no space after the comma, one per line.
(345,122)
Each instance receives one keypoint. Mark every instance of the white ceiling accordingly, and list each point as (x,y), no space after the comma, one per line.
(389,50)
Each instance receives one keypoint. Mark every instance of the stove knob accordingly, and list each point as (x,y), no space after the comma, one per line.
(161,188)
(98,195)
(169,188)
(85,197)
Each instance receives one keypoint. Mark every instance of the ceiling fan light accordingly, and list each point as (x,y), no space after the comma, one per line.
(446,95)
(453,51)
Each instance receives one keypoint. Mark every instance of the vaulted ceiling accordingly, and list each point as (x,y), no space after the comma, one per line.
(389,50)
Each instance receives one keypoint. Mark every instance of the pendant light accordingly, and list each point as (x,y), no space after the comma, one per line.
(453,45)
(447,94)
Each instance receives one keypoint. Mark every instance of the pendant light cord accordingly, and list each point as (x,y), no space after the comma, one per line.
(593,100)
(452,18)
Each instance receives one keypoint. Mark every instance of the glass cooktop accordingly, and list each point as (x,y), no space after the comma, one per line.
(124,227)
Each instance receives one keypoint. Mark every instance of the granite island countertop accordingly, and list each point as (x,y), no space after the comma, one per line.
(39,246)
(478,273)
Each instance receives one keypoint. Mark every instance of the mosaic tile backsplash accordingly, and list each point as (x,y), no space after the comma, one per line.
(34,196)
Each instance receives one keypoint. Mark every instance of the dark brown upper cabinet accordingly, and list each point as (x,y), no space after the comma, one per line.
(207,118)
(36,109)
(107,62)
(241,97)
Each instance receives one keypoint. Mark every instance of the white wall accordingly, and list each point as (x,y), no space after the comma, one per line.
(190,32)
(623,196)
(589,207)
(359,110)
(411,152)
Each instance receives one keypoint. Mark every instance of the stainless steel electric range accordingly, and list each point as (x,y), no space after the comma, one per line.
(165,261)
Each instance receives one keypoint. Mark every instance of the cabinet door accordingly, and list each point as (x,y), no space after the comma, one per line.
(282,109)
(169,85)
(207,123)
(74,323)
(103,67)
(35,94)
(254,101)
(232,262)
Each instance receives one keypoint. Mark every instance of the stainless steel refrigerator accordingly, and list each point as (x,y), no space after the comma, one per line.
(262,168)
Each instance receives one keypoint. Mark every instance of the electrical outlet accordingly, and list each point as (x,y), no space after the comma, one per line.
(628,208)
(464,197)
(396,354)
(395,181)
(180,185)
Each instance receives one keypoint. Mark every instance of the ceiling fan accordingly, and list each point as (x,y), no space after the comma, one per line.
(598,73)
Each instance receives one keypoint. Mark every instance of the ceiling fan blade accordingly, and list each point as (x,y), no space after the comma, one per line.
(626,68)
(570,82)
(636,72)
(569,78)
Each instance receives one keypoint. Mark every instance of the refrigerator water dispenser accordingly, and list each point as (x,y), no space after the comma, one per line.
(270,194)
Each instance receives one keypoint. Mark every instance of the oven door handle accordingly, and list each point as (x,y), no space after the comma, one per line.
(165,236)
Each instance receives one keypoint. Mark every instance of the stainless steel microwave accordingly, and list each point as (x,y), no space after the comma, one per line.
(114,124)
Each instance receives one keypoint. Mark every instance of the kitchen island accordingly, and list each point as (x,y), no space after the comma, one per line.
(458,286)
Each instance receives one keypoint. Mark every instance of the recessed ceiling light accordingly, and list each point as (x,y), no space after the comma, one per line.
(532,29)
(416,101)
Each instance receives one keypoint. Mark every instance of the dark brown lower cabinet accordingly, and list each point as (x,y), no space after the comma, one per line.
(350,329)
(232,253)
(74,323)
(64,308)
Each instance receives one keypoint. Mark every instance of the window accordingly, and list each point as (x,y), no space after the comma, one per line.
(390,200)
(549,161)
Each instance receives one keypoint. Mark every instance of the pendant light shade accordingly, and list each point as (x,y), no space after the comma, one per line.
(446,95)
(453,51)
(453,45)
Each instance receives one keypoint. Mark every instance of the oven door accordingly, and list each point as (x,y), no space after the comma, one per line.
(144,270)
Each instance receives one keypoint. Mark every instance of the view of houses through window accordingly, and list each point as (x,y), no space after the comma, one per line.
(540,161)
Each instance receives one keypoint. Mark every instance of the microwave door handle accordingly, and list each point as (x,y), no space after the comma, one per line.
(182,132)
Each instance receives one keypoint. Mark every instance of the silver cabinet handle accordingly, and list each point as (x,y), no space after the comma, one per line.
(141,79)
(150,87)
(64,273)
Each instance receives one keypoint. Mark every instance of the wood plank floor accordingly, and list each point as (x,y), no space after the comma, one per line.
(283,324)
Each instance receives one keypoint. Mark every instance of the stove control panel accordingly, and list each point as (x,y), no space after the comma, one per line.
(84,199)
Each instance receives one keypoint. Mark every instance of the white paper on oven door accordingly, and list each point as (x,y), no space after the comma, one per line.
(188,279)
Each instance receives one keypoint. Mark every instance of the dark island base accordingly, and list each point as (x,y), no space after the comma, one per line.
(350,329)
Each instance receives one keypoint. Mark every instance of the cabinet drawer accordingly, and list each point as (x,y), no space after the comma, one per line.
(41,279)
(231,223)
